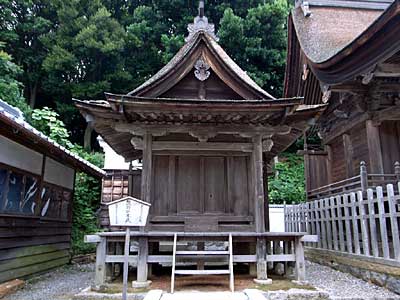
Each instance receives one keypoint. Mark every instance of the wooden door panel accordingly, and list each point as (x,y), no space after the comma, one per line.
(239,188)
(159,202)
(188,184)
(214,185)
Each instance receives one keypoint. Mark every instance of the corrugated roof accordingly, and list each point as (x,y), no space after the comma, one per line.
(15,116)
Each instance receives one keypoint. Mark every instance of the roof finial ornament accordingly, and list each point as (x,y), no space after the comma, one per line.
(201,24)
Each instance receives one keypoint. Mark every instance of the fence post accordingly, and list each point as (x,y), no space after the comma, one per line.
(397,170)
(363,176)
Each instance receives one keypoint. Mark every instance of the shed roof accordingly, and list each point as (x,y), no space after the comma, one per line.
(13,125)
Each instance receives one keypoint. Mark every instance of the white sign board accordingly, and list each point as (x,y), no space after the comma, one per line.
(128,211)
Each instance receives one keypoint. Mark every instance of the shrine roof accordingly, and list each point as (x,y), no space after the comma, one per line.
(331,42)
(184,53)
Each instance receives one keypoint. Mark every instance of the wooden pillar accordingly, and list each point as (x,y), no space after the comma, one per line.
(143,253)
(348,155)
(130,180)
(374,148)
(147,167)
(100,276)
(257,168)
(142,267)
(300,263)
(329,164)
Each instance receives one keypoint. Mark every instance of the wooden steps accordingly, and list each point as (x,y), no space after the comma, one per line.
(203,254)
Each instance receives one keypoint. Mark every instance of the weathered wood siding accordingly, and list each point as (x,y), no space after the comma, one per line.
(390,144)
(338,164)
(35,213)
(192,186)
(358,136)
(316,170)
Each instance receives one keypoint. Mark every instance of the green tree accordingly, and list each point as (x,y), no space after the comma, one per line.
(257,42)
(288,182)
(10,87)
(23,23)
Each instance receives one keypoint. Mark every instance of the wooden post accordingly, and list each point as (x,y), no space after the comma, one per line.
(382,223)
(356,236)
(393,221)
(397,170)
(348,155)
(257,167)
(333,223)
(130,180)
(340,222)
(147,167)
(126,263)
(372,223)
(349,243)
(101,249)
(300,264)
(363,223)
(258,184)
(363,176)
(374,148)
(143,252)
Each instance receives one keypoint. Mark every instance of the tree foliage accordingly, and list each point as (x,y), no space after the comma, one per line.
(287,185)
(80,49)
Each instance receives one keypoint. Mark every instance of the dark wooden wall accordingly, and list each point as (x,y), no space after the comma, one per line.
(316,171)
(35,234)
(379,149)
(214,187)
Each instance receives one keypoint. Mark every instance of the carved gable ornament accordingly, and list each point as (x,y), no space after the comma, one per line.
(201,70)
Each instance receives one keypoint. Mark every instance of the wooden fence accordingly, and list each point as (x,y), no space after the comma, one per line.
(362,181)
(362,223)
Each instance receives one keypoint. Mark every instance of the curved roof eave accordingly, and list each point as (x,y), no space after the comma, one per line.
(376,43)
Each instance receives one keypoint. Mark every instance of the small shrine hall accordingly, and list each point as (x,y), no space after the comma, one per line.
(205,133)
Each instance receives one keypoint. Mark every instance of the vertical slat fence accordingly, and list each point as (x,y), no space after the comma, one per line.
(360,223)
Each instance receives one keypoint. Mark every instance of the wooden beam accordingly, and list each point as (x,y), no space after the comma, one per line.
(387,70)
(155,130)
(200,146)
(374,148)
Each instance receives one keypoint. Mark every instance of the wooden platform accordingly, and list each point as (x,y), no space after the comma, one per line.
(293,249)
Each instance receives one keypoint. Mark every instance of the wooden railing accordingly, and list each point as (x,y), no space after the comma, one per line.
(362,182)
(363,224)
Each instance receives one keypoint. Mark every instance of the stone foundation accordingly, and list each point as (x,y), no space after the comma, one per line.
(370,269)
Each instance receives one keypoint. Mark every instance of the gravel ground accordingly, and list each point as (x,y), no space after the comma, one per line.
(344,286)
(63,283)
(60,284)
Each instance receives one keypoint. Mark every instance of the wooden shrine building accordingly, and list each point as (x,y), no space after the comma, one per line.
(347,54)
(205,132)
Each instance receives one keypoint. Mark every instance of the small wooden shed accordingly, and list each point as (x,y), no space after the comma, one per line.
(36,195)
(205,132)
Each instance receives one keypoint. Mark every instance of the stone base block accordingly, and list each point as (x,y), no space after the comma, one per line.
(141,284)
(263,281)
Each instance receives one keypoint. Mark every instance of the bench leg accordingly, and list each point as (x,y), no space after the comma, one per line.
(300,263)
(100,276)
